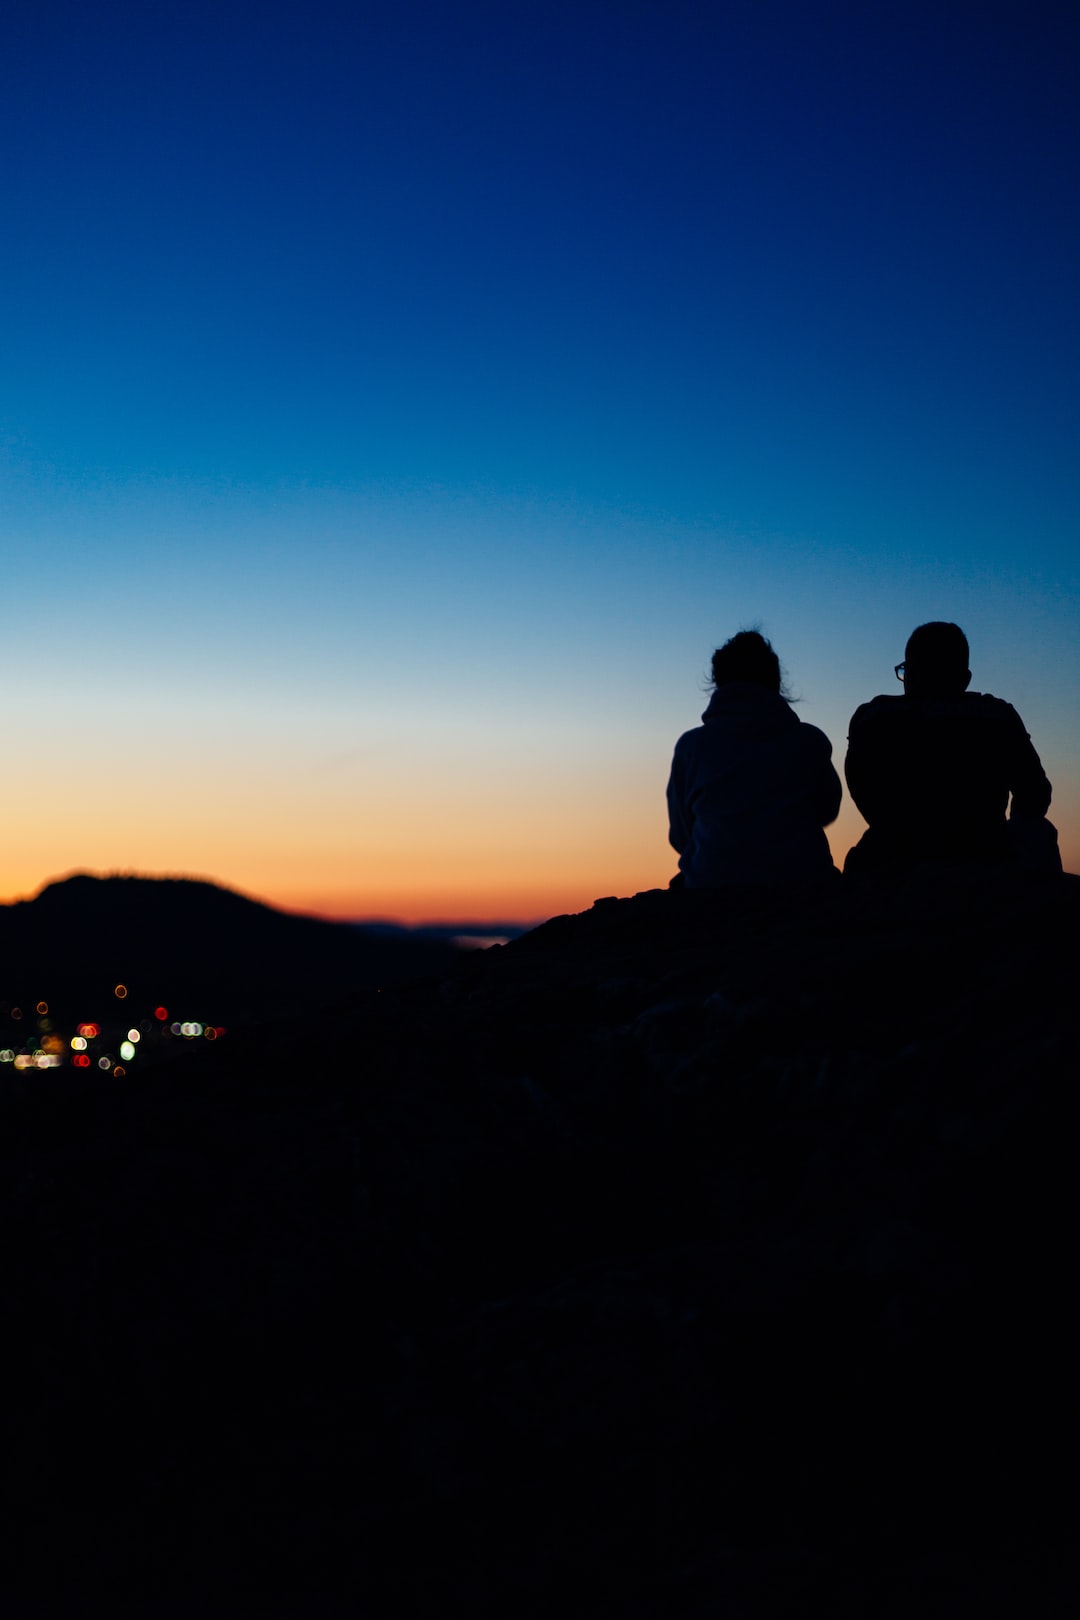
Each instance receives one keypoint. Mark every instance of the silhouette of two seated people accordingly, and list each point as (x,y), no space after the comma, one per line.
(932,771)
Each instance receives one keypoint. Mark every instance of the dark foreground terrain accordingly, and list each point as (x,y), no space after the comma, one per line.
(679,1259)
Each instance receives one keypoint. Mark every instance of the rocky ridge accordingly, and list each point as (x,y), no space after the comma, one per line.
(694,1255)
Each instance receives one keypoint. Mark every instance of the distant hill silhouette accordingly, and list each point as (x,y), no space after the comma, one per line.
(181,936)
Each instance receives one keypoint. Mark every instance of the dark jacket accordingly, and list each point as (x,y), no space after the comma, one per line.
(933,776)
(750,791)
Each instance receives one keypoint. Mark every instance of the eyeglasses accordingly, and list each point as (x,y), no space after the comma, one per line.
(899,671)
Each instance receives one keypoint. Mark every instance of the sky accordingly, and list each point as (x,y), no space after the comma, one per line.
(399,402)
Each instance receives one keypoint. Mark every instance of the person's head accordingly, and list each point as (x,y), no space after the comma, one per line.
(747,657)
(936,661)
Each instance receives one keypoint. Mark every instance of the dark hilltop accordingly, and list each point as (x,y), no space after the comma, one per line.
(182,938)
(697,1255)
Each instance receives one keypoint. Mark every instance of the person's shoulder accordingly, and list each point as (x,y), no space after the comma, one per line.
(878,708)
(689,739)
(988,702)
(992,708)
(813,737)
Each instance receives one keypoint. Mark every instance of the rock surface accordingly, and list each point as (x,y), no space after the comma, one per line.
(693,1256)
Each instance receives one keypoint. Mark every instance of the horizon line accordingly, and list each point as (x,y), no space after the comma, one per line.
(493,922)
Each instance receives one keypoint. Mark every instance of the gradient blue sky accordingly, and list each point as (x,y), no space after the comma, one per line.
(400,401)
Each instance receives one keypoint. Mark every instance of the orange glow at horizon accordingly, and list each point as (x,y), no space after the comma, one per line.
(495,867)
(435,902)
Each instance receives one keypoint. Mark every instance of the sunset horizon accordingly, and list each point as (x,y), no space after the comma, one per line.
(402,403)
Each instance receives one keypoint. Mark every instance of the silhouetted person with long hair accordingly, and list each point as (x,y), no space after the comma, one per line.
(752,788)
(933,770)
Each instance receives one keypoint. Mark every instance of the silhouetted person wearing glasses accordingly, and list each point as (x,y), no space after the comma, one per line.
(933,771)
(752,788)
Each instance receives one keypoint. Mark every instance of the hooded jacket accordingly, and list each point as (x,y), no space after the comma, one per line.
(750,791)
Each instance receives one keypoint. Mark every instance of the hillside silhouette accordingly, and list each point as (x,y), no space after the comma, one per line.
(180,937)
(698,1254)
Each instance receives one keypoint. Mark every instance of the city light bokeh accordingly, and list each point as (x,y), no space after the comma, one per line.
(39,1042)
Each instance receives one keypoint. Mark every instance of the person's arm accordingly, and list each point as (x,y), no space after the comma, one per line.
(860,770)
(827,791)
(830,792)
(863,763)
(1028,783)
(678,811)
